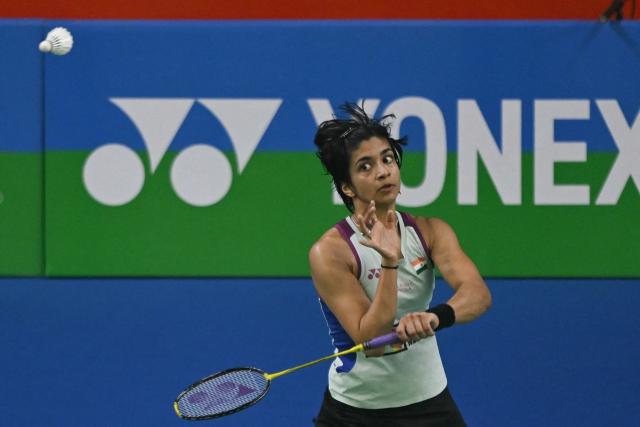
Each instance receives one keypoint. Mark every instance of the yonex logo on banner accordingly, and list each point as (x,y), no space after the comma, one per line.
(475,143)
(201,175)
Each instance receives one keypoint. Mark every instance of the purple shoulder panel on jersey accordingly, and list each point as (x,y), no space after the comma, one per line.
(409,221)
(346,232)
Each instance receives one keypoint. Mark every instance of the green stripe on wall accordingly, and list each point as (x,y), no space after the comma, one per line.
(281,204)
(21,248)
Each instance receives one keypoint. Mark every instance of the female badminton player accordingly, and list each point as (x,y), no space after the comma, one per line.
(374,272)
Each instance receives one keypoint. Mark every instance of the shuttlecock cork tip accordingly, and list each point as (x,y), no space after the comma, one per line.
(45,46)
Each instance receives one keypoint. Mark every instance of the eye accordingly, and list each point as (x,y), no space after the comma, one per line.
(388,159)
(364,167)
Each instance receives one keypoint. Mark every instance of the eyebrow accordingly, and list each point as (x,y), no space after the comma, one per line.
(382,153)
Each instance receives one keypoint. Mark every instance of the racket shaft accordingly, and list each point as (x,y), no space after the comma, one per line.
(353,349)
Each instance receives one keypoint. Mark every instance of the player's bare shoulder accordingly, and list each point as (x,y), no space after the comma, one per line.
(331,245)
(331,251)
(431,227)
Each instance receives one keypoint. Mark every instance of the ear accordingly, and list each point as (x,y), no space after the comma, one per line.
(346,189)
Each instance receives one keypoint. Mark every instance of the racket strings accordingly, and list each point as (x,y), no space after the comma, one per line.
(223,393)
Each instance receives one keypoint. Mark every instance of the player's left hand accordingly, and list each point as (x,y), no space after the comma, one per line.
(380,235)
(416,326)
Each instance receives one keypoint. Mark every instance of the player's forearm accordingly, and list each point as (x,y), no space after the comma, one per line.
(470,301)
(379,318)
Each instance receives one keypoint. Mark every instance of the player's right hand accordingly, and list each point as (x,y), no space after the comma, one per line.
(416,326)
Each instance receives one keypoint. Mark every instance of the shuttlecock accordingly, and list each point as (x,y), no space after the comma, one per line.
(59,41)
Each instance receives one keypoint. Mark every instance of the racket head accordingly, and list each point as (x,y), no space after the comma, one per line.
(223,393)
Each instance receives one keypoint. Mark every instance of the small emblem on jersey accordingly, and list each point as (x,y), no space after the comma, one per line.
(406,287)
(374,272)
(395,348)
(419,264)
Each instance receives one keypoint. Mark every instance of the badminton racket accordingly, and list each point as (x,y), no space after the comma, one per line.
(233,390)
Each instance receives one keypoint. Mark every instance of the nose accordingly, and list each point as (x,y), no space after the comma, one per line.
(382,170)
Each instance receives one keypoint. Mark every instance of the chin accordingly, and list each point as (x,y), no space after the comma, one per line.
(388,199)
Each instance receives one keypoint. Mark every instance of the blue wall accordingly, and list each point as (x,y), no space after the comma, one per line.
(117,352)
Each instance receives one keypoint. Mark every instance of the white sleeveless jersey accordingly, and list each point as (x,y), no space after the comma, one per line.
(406,374)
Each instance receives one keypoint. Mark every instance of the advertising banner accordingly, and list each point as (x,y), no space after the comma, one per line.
(186,149)
(21,171)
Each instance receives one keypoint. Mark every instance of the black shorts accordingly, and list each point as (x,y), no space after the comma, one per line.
(439,411)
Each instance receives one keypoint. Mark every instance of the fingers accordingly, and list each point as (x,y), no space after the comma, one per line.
(365,229)
(415,326)
(379,234)
(391,219)
(370,215)
(371,244)
(434,321)
(368,220)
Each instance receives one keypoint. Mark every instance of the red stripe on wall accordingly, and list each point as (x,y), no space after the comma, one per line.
(307,9)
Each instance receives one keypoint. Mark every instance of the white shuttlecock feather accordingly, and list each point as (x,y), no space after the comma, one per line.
(59,41)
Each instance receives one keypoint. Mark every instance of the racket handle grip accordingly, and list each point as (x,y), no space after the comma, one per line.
(388,339)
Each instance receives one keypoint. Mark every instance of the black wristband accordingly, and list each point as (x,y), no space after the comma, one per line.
(446,315)
(390,267)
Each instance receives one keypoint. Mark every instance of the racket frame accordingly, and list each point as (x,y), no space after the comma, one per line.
(176,408)
(376,342)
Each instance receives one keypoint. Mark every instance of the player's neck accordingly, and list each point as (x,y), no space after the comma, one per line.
(381,210)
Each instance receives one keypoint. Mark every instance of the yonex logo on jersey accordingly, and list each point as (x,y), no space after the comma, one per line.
(374,272)
(201,175)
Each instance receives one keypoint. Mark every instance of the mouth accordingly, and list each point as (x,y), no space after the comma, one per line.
(387,187)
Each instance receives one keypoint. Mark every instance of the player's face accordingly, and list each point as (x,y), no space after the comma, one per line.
(374,174)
